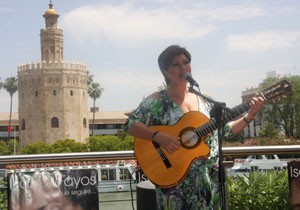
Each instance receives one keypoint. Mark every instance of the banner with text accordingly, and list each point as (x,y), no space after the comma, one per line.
(294,184)
(57,189)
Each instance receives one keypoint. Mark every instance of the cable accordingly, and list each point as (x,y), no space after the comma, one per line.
(130,184)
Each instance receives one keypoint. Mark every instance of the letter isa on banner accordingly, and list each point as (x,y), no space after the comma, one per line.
(56,189)
(294,184)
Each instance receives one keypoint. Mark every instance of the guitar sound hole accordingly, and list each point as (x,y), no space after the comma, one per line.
(189,139)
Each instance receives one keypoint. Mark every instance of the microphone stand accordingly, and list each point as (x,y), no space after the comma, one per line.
(217,112)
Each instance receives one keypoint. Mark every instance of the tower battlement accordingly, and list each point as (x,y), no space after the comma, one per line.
(53,30)
(51,65)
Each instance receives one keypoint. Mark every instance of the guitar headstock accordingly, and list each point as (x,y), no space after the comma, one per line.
(278,89)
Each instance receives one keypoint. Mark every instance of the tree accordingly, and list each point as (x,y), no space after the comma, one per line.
(94,91)
(4,149)
(269,130)
(284,112)
(104,143)
(110,143)
(11,86)
(60,146)
(67,146)
(37,148)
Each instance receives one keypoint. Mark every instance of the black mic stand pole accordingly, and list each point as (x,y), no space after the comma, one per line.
(217,113)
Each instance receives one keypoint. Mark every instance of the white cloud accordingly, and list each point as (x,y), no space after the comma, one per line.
(233,12)
(262,41)
(126,23)
(5,10)
(132,23)
(129,23)
(285,11)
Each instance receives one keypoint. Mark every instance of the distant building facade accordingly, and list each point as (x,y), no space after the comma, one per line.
(53,95)
(106,123)
(253,128)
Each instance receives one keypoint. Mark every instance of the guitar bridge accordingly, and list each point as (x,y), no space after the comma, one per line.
(162,155)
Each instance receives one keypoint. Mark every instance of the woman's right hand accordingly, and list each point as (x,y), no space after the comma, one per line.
(168,142)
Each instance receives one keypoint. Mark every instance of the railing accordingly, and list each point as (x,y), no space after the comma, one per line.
(129,155)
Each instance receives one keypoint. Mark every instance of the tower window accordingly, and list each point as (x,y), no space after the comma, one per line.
(71,93)
(23,124)
(36,93)
(54,122)
(54,92)
(84,122)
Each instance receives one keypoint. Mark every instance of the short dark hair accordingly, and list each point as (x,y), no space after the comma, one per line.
(166,57)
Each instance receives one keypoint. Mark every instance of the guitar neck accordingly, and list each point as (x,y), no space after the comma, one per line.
(212,124)
(269,93)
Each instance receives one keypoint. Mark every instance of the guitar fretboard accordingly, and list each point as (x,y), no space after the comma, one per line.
(212,124)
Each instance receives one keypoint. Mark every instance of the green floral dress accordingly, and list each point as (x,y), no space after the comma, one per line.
(200,187)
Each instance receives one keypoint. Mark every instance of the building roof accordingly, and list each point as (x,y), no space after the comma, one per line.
(4,118)
(50,11)
(106,117)
(101,117)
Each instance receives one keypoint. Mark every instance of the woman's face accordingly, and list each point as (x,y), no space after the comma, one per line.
(177,69)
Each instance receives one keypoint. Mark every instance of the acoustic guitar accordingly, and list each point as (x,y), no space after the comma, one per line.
(167,170)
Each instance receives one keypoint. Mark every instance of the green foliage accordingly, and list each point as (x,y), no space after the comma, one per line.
(127,143)
(37,148)
(60,146)
(284,112)
(259,190)
(67,146)
(11,86)
(269,130)
(8,149)
(3,194)
(94,143)
(238,137)
(4,149)
(94,91)
(110,143)
(121,134)
(104,143)
(12,143)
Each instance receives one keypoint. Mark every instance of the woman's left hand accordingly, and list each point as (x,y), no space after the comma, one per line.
(256,104)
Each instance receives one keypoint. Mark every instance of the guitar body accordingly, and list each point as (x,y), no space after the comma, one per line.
(150,159)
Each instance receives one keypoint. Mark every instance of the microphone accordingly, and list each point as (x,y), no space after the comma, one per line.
(190,79)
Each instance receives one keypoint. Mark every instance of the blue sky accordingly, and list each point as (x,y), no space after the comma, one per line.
(233,43)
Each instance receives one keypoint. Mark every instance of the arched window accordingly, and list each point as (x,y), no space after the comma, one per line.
(54,92)
(84,122)
(36,93)
(54,122)
(71,93)
(23,124)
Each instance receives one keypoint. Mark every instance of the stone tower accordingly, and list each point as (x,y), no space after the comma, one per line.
(53,97)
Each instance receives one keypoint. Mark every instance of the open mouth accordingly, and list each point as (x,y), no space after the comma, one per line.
(182,75)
